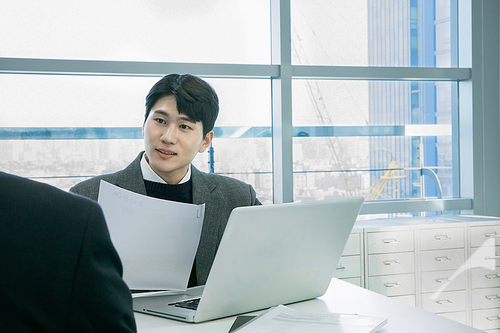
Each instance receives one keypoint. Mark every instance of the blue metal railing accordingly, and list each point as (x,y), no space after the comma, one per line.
(103,133)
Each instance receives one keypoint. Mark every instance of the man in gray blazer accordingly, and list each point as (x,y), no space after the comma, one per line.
(180,115)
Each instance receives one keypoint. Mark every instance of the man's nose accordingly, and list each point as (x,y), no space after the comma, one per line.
(169,136)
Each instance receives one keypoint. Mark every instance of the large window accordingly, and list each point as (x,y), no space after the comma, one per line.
(319,99)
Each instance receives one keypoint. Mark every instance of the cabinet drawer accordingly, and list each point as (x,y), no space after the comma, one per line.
(485,256)
(486,319)
(435,239)
(485,278)
(391,263)
(354,281)
(390,241)
(393,285)
(480,235)
(441,259)
(348,267)
(353,245)
(447,301)
(486,298)
(433,281)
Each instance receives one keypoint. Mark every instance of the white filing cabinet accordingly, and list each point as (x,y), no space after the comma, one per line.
(390,259)
(449,265)
(350,267)
(443,276)
(485,274)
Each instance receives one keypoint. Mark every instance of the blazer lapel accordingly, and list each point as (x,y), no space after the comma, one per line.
(202,186)
(131,178)
(204,193)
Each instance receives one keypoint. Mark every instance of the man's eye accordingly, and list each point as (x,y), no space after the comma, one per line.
(184,126)
(159,120)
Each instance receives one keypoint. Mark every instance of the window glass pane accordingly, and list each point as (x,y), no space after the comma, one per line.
(111,101)
(63,163)
(327,168)
(61,119)
(222,31)
(330,167)
(360,103)
(329,102)
(246,159)
(242,147)
(401,33)
(73,101)
(376,139)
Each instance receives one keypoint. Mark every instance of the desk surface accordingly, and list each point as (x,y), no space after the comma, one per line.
(341,297)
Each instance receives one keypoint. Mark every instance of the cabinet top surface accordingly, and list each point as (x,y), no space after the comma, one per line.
(432,221)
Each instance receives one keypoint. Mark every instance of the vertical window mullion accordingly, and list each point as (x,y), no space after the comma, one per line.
(281,94)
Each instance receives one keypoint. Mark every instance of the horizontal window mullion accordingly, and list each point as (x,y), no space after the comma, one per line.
(132,68)
(135,68)
(381,73)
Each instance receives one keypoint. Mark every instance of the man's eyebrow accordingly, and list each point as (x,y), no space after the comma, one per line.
(163,113)
(182,116)
(188,119)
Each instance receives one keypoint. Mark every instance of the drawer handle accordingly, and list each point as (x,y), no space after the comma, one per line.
(495,234)
(493,318)
(496,256)
(392,284)
(390,240)
(492,276)
(391,262)
(492,297)
(340,268)
(442,237)
(445,280)
(443,301)
(442,258)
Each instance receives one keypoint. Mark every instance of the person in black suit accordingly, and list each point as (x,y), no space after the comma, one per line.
(59,269)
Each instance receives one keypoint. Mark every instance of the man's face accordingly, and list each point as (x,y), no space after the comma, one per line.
(172,140)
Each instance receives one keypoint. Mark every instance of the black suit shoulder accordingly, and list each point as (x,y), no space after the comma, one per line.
(41,199)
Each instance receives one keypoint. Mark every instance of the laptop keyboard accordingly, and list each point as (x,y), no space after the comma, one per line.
(191,304)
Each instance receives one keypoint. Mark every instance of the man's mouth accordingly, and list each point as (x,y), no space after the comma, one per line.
(165,152)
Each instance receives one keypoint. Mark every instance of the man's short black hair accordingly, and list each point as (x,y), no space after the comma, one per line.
(195,98)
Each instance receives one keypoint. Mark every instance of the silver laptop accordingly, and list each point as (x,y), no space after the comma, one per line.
(268,255)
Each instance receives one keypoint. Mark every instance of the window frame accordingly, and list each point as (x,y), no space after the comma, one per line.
(476,130)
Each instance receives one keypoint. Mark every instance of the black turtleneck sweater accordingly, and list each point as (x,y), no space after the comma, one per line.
(177,192)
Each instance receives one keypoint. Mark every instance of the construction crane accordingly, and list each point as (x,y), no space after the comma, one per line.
(340,159)
(388,175)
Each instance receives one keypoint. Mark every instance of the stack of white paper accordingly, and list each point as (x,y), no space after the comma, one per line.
(156,239)
(285,319)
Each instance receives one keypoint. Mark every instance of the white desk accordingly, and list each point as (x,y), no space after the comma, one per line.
(340,297)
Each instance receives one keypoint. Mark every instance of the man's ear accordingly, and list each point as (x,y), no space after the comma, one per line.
(206,141)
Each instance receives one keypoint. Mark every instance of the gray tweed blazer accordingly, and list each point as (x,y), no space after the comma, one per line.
(220,195)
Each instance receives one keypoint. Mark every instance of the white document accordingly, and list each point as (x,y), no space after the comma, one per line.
(156,239)
(284,319)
